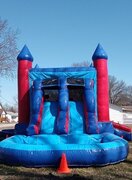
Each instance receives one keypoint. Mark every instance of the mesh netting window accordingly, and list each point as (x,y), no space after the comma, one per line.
(50,82)
(75,81)
(75,93)
(50,94)
(75,89)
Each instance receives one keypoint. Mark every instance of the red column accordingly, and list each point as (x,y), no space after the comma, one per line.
(100,63)
(24,65)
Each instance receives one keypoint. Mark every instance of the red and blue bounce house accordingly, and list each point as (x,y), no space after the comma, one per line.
(64,110)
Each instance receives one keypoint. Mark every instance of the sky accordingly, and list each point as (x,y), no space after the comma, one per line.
(59,33)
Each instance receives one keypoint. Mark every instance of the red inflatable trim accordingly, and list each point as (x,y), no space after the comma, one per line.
(37,126)
(102,90)
(23,91)
(121,127)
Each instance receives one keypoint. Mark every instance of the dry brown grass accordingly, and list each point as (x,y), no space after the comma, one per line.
(122,171)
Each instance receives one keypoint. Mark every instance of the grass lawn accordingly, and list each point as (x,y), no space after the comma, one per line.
(122,171)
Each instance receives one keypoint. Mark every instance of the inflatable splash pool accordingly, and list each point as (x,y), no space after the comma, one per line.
(46,150)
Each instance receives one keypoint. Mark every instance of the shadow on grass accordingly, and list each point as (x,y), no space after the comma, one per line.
(128,161)
(14,172)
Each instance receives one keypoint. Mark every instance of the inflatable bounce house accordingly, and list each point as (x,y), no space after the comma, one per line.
(64,111)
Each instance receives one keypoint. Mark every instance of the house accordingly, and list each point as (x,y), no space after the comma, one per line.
(2,114)
(127,109)
(11,116)
(122,115)
(127,114)
(116,113)
(7,116)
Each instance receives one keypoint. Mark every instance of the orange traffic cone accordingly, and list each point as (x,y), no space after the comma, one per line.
(63,168)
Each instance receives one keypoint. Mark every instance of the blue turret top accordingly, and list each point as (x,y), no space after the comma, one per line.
(99,53)
(25,54)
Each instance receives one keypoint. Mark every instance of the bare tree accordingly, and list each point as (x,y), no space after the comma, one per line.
(128,96)
(10,108)
(8,49)
(15,98)
(117,91)
(82,64)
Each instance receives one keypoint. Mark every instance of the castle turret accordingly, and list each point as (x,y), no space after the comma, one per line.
(100,63)
(25,60)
